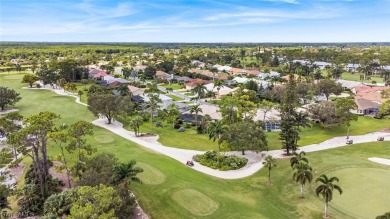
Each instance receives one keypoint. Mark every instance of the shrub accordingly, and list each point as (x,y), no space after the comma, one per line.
(187,125)
(38,85)
(215,160)
(199,130)
(176,126)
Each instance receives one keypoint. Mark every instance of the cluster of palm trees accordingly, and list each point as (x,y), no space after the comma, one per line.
(303,174)
(201,91)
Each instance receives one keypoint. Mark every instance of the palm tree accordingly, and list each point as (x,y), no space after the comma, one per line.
(326,189)
(302,174)
(80,93)
(123,90)
(210,94)
(216,130)
(195,109)
(172,113)
(269,162)
(218,84)
(126,173)
(136,123)
(206,122)
(152,105)
(298,158)
(163,114)
(200,90)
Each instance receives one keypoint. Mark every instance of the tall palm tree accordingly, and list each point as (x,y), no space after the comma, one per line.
(172,113)
(126,173)
(298,158)
(269,162)
(302,174)
(216,130)
(196,109)
(326,189)
(152,105)
(200,90)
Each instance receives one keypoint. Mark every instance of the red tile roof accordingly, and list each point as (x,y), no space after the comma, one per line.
(370,93)
(196,81)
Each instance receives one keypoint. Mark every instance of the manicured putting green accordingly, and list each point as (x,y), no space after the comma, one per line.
(195,202)
(151,175)
(104,139)
(366,191)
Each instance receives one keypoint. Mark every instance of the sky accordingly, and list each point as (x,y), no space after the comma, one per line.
(195,20)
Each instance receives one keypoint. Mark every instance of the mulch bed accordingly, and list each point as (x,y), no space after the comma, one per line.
(17,171)
(60,175)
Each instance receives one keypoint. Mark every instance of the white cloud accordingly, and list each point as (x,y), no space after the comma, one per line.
(284,1)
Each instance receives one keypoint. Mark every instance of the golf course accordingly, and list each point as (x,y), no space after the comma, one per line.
(170,189)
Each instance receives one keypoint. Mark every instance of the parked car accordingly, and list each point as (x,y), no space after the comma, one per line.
(381,138)
(349,141)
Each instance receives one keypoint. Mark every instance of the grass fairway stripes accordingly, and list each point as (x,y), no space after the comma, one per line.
(195,202)
(103,139)
(366,192)
(151,175)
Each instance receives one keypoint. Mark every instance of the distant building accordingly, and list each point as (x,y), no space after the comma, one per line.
(162,75)
(351,67)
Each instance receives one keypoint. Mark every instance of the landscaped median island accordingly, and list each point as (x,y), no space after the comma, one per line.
(220,161)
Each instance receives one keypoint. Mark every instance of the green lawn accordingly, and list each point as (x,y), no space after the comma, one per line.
(173,86)
(175,98)
(170,137)
(356,77)
(316,134)
(171,193)
(84,89)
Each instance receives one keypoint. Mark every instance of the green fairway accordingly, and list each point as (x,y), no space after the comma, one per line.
(373,192)
(103,139)
(195,202)
(171,188)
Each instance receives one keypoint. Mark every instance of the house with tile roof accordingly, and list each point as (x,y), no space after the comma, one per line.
(192,84)
(366,107)
(369,93)
(162,75)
